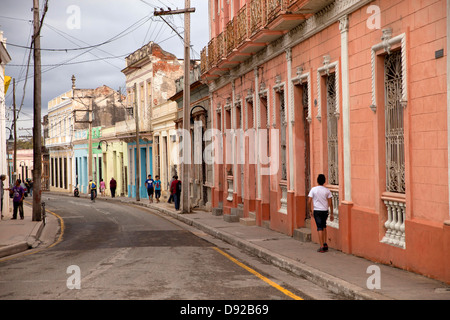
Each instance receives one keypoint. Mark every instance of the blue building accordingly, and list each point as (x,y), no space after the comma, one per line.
(146,164)
(81,155)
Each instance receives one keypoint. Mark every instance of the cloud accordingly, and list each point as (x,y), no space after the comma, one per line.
(128,24)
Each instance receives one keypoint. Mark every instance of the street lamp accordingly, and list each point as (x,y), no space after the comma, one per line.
(99,147)
(197,106)
(23,166)
(11,138)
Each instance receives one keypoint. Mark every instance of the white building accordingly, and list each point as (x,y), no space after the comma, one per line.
(4,59)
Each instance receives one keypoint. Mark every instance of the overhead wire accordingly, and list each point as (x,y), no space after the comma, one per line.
(88,47)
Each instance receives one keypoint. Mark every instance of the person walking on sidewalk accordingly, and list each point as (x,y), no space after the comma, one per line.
(149,185)
(93,188)
(157,189)
(175,190)
(319,199)
(18,194)
(113,186)
(102,187)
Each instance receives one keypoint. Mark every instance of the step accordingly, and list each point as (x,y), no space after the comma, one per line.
(302,234)
(217,211)
(237,212)
(247,221)
(231,218)
(308,223)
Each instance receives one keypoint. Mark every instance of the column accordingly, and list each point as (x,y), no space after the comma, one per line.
(343,26)
(290,118)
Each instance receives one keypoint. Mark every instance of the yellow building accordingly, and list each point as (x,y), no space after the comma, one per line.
(59,142)
(114,157)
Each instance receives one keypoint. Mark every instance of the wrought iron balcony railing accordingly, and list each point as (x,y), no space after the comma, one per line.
(251,19)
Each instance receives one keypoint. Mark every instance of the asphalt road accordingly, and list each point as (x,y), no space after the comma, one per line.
(117,251)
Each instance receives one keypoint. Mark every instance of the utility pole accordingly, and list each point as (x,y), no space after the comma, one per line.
(138,148)
(185,205)
(90,141)
(37,158)
(90,111)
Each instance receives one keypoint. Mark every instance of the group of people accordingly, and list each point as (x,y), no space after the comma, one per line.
(93,188)
(17,193)
(154,186)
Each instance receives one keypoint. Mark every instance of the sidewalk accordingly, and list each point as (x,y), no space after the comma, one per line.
(339,272)
(19,235)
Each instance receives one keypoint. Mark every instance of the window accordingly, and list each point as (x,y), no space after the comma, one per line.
(282,126)
(332,131)
(389,85)
(394,132)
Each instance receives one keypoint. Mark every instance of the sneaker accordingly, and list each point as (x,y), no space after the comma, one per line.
(325,247)
(321,249)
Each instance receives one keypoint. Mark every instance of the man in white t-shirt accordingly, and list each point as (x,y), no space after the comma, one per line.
(319,199)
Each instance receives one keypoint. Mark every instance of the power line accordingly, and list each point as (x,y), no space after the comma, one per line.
(72,63)
(116,37)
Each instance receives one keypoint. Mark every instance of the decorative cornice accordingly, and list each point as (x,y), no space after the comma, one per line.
(343,24)
(386,43)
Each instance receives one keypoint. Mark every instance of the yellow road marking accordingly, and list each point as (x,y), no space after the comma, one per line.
(61,220)
(270,282)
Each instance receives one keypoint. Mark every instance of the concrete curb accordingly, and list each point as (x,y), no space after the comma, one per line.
(31,242)
(14,249)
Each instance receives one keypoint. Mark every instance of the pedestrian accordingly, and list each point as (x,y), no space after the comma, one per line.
(319,199)
(175,190)
(112,187)
(2,189)
(157,189)
(30,183)
(149,185)
(171,196)
(25,188)
(18,194)
(102,187)
(93,188)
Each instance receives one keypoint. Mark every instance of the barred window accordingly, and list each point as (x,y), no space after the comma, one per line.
(283,135)
(332,131)
(394,126)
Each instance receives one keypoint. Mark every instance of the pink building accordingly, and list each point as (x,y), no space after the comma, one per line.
(356,90)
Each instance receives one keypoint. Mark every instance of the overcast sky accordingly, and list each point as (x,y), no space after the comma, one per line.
(126,25)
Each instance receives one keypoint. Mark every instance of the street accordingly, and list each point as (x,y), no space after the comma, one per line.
(117,251)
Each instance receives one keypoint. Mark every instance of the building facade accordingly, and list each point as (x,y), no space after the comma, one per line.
(81,157)
(114,155)
(150,80)
(69,117)
(59,141)
(200,171)
(4,59)
(357,90)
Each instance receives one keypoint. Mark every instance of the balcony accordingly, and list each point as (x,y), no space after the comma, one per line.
(256,24)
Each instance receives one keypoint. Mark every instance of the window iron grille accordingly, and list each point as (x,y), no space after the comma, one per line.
(332,131)
(394,126)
